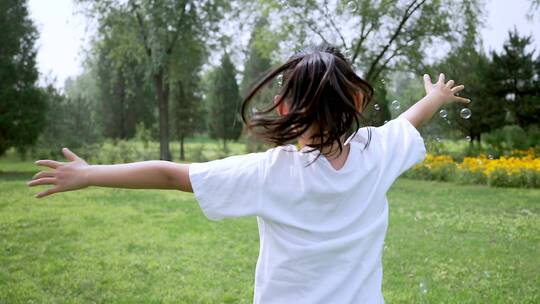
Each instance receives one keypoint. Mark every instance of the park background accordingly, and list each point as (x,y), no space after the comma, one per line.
(165,80)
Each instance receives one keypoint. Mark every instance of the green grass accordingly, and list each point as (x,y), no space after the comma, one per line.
(446,244)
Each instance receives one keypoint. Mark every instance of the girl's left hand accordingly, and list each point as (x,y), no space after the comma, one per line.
(445,91)
(66,176)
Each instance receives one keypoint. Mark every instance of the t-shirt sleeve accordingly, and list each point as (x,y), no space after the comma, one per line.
(402,146)
(228,187)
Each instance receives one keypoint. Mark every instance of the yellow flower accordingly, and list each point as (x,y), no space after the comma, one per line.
(518,162)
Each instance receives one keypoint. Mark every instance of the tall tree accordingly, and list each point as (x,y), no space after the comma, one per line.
(514,78)
(118,64)
(467,64)
(257,62)
(22,104)
(377,36)
(224,101)
(187,108)
(159,24)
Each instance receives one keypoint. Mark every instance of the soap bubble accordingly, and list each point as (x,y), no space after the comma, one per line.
(510,97)
(396,105)
(443,113)
(465,113)
(352,6)
(423,287)
(376,107)
(438,139)
(284,3)
(279,79)
(468,138)
(490,156)
(348,54)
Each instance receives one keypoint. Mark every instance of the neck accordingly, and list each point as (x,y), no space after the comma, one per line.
(331,151)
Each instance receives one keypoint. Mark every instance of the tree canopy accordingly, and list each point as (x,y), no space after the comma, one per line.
(22,104)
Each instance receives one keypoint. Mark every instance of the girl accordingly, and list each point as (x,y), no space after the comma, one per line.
(321,209)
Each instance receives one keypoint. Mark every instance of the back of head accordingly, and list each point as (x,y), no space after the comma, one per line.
(323,94)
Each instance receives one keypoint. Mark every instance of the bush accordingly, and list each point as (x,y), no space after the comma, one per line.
(533,135)
(441,168)
(196,154)
(511,137)
(470,177)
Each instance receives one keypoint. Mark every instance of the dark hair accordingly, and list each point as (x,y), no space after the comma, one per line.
(318,85)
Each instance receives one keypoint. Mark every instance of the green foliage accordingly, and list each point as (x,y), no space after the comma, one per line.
(258,63)
(379,111)
(503,88)
(385,34)
(467,64)
(158,29)
(22,104)
(68,124)
(143,134)
(224,101)
(467,177)
(511,137)
(445,172)
(124,90)
(197,153)
(515,79)
(186,95)
(523,179)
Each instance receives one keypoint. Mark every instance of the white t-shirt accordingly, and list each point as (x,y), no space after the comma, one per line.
(321,230)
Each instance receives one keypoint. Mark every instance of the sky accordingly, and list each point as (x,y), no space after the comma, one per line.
(64,34)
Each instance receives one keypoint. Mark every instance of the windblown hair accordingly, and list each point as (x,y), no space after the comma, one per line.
(319,86)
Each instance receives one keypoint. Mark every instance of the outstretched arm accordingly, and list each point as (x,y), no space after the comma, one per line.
(437,95)
(77,174)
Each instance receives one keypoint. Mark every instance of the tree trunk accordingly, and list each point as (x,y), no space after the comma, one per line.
(122,98)
(162,94)
(182,154)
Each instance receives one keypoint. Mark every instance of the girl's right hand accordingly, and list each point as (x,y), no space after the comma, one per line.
(446,92)
(65,176)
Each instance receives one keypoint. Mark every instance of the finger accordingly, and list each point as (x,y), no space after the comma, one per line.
(458,88)
(69,155)
(441,78)
(427,82)
(461,99)
(47,192)
(44,174)
(42,181)
(450,84)
(49,163)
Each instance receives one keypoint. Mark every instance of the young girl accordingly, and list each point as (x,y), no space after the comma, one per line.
(321,210)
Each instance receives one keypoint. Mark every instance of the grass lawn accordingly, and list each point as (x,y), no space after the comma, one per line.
(446,244)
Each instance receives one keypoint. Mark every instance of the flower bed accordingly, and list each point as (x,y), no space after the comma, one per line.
(520,169)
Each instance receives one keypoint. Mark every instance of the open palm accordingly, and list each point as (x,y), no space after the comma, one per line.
(65,176)
(446,90)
